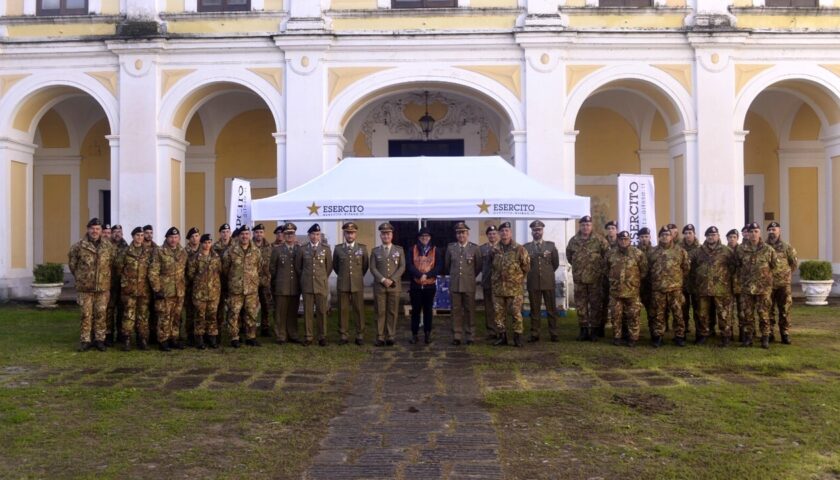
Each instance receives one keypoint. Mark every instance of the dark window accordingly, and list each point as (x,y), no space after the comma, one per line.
(61,7)
(423,3)
(625,3)
(224,5)
(428,148)
(790,3)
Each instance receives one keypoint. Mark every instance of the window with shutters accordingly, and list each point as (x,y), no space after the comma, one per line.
(61,7)
(625,3)
(224,5)
(791,3)
(423,3)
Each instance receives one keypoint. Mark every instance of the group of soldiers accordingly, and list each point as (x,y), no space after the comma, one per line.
(139,289)
(712,282)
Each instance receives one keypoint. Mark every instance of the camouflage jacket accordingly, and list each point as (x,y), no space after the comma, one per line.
(133,263)
(120,246)
(668,266)
(167,273)
(689,282)
(586,256)
(756,264)
(625,270)
(205,274)
(220,249)
(511,265)
(243,268)
(786,263)
(713,265)
(265,249)
(91,264)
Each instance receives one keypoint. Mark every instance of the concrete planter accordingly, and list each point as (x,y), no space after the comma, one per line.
(816,291)
(47,294)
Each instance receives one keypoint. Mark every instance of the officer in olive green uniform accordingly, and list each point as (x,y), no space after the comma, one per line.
(462,263)
(387,264)
(626,267)
(668,267)
(220,246)
(192,247)
(90,262)
(757,262)
(586,252)
(285,284)
(204,270)
(167,276)
(351,262)
(690,243)
(266,300)
(314,265)
(510,267)
(781,299)
(545,259)
(115,306)
(133,265)
(713,264)
(486,250)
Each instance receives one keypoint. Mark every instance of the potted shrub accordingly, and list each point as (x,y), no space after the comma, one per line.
(815,277)
(49,278)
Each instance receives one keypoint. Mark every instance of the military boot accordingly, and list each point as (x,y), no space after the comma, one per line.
(679,341)
(786,339)
(772,337)
(100,345)
(533,339)
(211,341)
(724,341)
(234,343)
(199,342)
(164,346)
(252,342)
(747,341)
(142,344)
(502,340)
(617,342)
(765,341)
(699,339)
(126,347)
(84,346)
(517,339)
(600,332)
(631,343)
(583,335)
(656,341)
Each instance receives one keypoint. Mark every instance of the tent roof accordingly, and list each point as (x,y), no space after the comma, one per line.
(421,187)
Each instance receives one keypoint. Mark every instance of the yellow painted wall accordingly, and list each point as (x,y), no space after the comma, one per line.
(175,193)
(96,164)
(835,187)
(360,148)
(273,5)
(662,184)
(805,21)
(644,19)
(194,186)
(18,194)
(603,203)
(493,4)
(46,30)
(110,7)
(679,199)
(55,227)
(804,220)
(492,147)
(353,4)
(245,149)
(761,156)
(53,131)
(14,8)
(174,6)
(806,124)
(606,144)
(195,131)
(658,130)
(223,25)
(449,22)
(367,234)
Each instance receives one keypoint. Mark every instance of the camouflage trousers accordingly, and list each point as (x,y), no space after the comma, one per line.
(512,306)
(603,314)
(662,304)
(205,317)
(781,302)
(536,298)
(94,306)
(756,306)
(588,301)
(628,310)
(189,311)
(169,318)
(463,315)
(135,317)
(489,312)
(286,317)
(266,303)
(250,305)
(114,317)
(718,307)
(691,305)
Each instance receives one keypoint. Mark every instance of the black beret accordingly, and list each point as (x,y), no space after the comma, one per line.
(136,231)
(491,228)
(461,227)
(93,222)
(224,226)
(611,223)
(192,231)
(586,219)
(504,225)
(148,227)
(259,226)
(107,226)
(773,225)
(746,227)
(665,229)
(644,231)
(386,227)
(711,230)
(350,227)
(172,231)
(205,238)
(314,228)
(624,234)
(688,228)
(671,226)
(278,229)
(536,224)
(116,227)
(753,226)
(424,231)
(732,232)
(244,228)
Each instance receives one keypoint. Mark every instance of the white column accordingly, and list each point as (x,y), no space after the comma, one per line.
(737,213)
(831,185)
(520,152)
(282,174)
(334,144)
(114,143)
(15,277)
(170,149)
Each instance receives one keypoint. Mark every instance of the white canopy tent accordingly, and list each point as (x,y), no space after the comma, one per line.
(397,188)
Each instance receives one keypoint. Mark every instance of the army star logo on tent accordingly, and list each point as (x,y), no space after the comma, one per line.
(313,209)
(483,207)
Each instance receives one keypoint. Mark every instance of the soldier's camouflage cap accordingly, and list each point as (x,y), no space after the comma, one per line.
(461,227)
(491,228)
(644,231)
(206,238)
(504,225)
(773,225)
(314,228)
(386,227)
(688,228)
(172,231)
(94,222)
(711,230)
(536,224)
(350,227)
(224,226)
(136,231)
(192,231)
(623,234)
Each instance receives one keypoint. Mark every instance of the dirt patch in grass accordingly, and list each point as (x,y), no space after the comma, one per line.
(645,403)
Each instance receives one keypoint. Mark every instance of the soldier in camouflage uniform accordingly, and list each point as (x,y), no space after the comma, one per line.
(486,250)
(713,264)
(541,285)
(167,277)
(645,293)
(192,247)
(757,262)
(690,244)
(611,235)
(626,267)
(221,246)
(736,311)
(149,243)
(585,253)
(204,270)
(786,263)
(668,267)
(286,284)
(245,272)
(115,306)
(511,265)
(266,301)
(90,262)
(133,264)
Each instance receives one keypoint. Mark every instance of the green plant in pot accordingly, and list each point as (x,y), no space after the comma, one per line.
(49,278)
(816,279)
